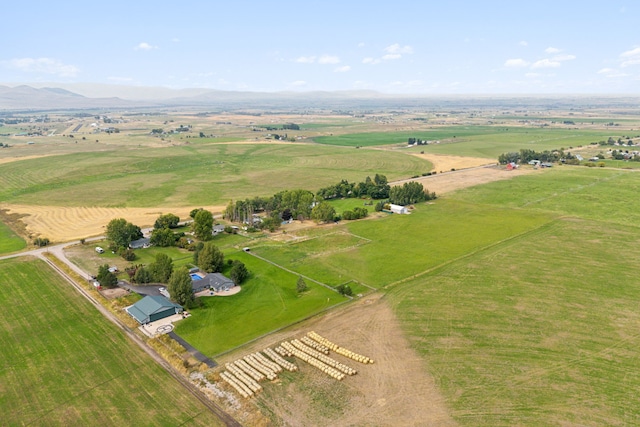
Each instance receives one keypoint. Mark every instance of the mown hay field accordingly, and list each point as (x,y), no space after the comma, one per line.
(10,241)
(64,364)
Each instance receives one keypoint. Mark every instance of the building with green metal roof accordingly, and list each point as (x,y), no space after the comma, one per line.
(152,308)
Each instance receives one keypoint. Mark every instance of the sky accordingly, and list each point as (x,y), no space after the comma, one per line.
(405,47)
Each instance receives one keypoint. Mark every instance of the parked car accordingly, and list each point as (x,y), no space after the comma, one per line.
(99,250)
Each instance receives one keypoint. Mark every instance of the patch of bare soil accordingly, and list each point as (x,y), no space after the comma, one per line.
(447,182)
(443,163)
(61,224)
(396,390)
(114,293)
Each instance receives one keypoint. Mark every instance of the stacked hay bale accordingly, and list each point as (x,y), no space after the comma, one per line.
(314,344)
(279,360)
(340,350)
(250,382)
(238,385)
(283,352)
(251,360)
(323,358)
(313,361)
(249,370)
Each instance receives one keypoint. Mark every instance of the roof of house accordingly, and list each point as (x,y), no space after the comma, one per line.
(149,305)
(214,281)
(140,243)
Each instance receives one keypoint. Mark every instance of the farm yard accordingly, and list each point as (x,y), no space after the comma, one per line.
(508,299)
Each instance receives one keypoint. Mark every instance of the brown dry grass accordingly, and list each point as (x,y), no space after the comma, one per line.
(61,224)
(396,390)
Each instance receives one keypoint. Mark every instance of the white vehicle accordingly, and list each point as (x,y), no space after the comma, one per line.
(99,250)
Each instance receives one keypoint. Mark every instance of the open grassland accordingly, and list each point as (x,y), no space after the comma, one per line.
(190,175)
(540,330)
(400,246)
(592,193)
(64,364)
(268,301)
(477,141)
(9,241)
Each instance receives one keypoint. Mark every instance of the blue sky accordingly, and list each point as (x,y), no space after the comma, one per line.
(412,47)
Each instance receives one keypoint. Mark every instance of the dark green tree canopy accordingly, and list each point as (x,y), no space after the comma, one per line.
(161,268)
(105,277)
(180,288)
(239,272)
(203,225)
(166,221)
(121,233)
(163,237)
(210,258)
(323,212)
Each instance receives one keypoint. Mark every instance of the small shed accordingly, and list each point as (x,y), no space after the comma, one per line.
(397,209)
(152,308)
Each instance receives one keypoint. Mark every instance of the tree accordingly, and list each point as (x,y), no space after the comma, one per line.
(163,237)
(193,212)
(127,253)
(238,272)
(180,288)
(301,286)
(105,277)
(203,225)
(210,258)
(323,212)
(166,221)
(161,268)
(121,233)
(344,290)
(142,275)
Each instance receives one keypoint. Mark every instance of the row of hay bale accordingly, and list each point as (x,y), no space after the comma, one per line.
(340,350)
(333,372)
(315,345)
(241,375)
(323,358)
(283,351)
(279,360)
(265,370)
(238,385)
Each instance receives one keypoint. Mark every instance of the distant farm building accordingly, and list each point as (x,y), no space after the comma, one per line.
(152,308)
(397,209)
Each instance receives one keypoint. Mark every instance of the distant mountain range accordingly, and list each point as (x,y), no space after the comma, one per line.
(72,96)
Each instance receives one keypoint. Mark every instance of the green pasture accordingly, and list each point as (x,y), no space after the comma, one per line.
(476,141)
(191,175)
(396,247)
(539,330)
(268,301)
(341,205)
(599,194)
(63,363)
(10,241)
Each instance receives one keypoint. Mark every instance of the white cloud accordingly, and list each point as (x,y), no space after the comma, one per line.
(630,57)
(606,71)
(145,46)
(370,60)
(328,59)
(391,56)
(611,73)
(397,49)
(298,83)
(43,65)
(306,59)
(120,79)
(516,63)
(361,44)
(342,69)
(546,63)
(523,43)
(552,50)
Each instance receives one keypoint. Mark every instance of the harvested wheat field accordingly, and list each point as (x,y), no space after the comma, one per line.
(396,390)
(61,224)
(442,163)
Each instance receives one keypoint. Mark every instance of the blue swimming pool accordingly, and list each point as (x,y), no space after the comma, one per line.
(195,276)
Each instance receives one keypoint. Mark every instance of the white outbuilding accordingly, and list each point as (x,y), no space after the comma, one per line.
(397,209)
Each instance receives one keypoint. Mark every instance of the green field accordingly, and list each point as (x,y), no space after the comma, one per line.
(63,363)
(191,175)
(268,301)
(542,330)
(9,241)
(476,141)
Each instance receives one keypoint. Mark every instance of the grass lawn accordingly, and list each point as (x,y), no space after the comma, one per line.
(395,247)
(268,301)
(10,241)
(541,330)
(63,363)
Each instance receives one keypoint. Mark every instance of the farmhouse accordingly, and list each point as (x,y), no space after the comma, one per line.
(397,209)
(140,243)
(214,281)
(218,228)
(152,308)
